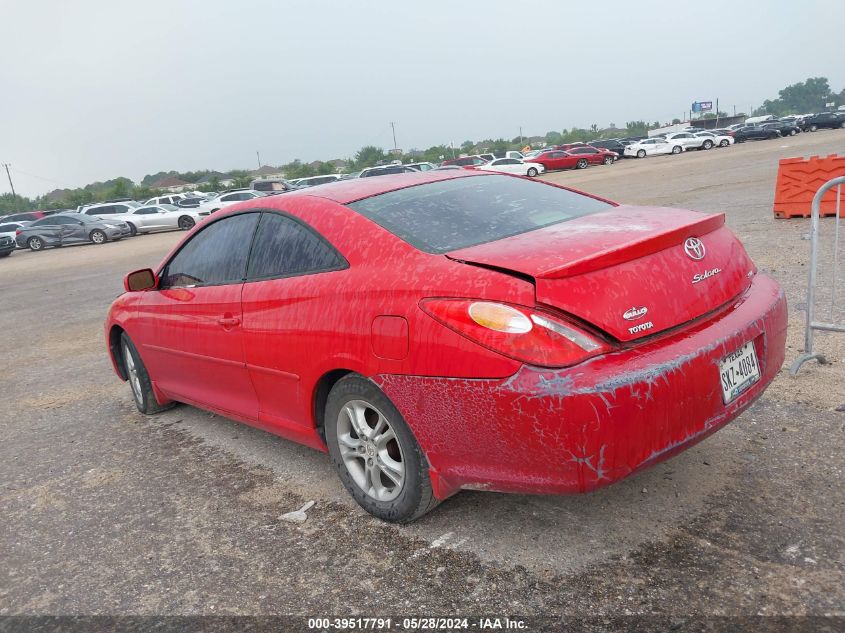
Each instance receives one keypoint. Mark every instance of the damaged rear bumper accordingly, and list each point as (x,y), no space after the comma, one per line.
(576,429)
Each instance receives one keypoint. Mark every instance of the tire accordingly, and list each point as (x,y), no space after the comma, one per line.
(133,230)
(608,160)
(532,172)
(794,132)
(641,153)
(6,254)
(677,149)
(724,142)
(813,128)
(98,237)
(355,402)
(581,164)
(139,380)
(35,244)
(186,223)
(842,125)
(707,144)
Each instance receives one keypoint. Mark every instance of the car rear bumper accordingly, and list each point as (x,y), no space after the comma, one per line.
(576,429)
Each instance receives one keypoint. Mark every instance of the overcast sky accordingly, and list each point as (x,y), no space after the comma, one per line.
(91,90)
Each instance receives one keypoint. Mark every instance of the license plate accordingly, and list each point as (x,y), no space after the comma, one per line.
(738,371)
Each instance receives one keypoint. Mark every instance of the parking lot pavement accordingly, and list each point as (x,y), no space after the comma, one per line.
(107,511)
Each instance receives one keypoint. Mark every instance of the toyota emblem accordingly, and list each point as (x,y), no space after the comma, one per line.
(694,248)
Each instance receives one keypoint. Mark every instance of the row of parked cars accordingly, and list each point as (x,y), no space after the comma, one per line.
(112,220)
(115,219)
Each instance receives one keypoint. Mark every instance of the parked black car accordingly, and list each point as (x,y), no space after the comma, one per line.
(612,145)
(823,120)
(7,246)
(756,133)
(785,128)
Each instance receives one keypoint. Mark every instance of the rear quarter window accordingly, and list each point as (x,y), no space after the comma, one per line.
(447,215)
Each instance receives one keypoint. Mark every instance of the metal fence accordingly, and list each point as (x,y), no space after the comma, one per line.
(821,297)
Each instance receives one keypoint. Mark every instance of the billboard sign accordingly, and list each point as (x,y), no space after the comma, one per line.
(702,106)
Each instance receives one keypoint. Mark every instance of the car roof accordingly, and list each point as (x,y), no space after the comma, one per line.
(346,191)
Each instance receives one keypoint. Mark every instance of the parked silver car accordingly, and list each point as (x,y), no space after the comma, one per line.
(64,229)
(157,217)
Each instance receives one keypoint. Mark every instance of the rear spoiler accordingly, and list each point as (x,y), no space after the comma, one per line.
(638,248)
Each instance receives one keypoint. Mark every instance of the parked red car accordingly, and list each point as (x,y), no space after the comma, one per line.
(559,159)
(458,329)
(595,155)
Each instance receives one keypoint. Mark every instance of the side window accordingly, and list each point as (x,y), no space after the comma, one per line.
(284,247)
(104,210)
(215,255)
(59,220)
(146,211)
(229,198)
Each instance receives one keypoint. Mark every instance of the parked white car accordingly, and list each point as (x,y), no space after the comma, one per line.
(719,140)
(10,229)
(172,198)
(225,199)
(513,166)
(312,181)
(652,147)
(689,140)
(160,217)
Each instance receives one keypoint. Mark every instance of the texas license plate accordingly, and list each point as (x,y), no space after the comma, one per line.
(738,371)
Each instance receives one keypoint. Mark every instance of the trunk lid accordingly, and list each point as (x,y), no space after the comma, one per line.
(631,271)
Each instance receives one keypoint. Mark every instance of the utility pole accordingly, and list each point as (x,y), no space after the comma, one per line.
(258,156)
(9,176)
(520,135)
(717,111)
(734,110)
(395,146)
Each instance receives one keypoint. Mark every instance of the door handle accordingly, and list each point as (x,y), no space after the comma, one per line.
(228,321)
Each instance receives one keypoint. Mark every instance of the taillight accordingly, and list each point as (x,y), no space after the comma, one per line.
(524,334)
(18,232)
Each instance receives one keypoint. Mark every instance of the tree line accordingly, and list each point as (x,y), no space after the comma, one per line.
(806,96)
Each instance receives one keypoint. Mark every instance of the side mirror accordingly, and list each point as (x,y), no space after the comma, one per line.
(138,280)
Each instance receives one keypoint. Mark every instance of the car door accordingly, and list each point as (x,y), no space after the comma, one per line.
(190,328)
(54,230)
(154,218)
(144,218)
(292,271)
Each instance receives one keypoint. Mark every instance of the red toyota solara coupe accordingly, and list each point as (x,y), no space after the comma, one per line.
(446,330)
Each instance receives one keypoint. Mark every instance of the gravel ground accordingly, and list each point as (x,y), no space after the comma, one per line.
(106,511)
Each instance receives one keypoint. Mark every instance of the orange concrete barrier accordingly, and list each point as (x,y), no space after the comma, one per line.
(798,181)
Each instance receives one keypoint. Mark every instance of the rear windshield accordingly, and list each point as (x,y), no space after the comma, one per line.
(443,216)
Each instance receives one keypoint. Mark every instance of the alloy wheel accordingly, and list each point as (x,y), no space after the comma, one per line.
(370,450)
(132,373)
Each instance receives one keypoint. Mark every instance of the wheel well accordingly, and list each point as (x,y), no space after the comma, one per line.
(114,349)
(321,397)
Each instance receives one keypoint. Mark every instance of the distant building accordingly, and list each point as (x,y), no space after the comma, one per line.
(173,185)
(339,164)
(266,171)
(224,180)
